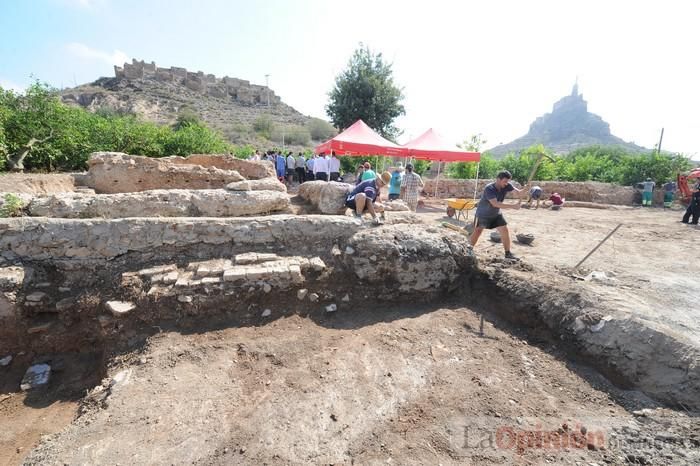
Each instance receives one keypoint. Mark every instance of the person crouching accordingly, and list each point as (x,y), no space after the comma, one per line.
(363,197)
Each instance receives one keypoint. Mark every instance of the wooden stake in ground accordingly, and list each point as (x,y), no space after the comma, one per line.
(597,246)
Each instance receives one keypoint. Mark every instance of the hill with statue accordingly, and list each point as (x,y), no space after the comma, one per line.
(570,126)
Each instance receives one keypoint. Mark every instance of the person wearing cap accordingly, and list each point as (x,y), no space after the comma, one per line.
(647,191)
(395,183)
(693,208)
(411,186)
(365,194)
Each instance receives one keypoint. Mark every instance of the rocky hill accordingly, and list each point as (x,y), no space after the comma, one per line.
(568,127)
(230,105)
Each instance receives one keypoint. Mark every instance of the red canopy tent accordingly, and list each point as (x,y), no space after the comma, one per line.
(359,139)
(432,146)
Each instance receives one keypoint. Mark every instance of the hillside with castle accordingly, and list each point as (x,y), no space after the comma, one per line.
(228,104)
(568,127)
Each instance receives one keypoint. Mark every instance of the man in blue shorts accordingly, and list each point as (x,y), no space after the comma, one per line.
(535,194)
(488,211)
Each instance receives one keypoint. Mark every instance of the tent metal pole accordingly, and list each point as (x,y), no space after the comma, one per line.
(437,180)
(476,183)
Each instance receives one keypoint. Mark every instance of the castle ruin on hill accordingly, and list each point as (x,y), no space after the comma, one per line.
(239,90)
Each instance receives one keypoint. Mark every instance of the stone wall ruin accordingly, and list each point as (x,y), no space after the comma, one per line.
(237,89)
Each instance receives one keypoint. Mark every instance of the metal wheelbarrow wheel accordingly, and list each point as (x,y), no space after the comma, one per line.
(451,211)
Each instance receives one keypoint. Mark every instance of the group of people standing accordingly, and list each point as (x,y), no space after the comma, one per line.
(290,168)
(402,183)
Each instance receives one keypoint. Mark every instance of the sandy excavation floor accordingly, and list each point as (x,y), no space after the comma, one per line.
(651,258)
(401,386)
(411,385)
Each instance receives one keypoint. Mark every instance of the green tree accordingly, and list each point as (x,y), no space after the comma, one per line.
(366,90)
(488,166)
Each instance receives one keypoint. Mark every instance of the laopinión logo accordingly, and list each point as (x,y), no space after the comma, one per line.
(485,436)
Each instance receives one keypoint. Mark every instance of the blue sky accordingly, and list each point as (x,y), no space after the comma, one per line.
(466,67)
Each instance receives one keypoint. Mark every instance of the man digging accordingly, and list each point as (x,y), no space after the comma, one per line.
(364,196)
(488,211)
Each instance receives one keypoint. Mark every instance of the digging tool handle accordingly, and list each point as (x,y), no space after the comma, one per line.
(597,246)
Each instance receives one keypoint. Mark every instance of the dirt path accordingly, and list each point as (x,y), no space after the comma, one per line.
(408,386)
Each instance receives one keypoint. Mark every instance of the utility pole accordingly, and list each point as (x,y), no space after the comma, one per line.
(267,85)
(658,148)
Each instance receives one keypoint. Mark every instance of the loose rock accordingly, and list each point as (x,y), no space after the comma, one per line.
(120,308)
(35,376)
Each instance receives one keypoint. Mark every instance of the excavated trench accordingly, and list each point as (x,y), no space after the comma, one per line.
(66,304)
(83,294)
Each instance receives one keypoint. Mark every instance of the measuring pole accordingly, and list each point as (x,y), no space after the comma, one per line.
(597,246)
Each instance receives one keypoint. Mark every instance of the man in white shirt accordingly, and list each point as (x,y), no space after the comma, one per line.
(310,168)
(334,167)
(321,168)
(291,164)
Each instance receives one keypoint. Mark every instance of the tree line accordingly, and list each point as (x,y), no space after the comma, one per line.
(64,136)
(608,164)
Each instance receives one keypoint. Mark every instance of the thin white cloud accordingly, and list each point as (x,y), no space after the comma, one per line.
(83,3)
(10,85)
(117,57)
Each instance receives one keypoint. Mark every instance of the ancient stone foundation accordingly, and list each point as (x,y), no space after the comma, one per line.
(115,172)
(67,282)
(160,203)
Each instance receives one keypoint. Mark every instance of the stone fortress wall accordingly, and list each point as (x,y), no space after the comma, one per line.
(240,90)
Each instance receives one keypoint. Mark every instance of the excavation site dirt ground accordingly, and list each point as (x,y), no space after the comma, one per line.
(453,381)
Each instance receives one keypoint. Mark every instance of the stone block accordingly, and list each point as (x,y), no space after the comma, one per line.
(115,172)
(160,270)
(235,274)
(212,268)
(264,184)
(11,278)
(120,308)
(35,296)
(256,273)
(65,304)
(317,264)
(40,328)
